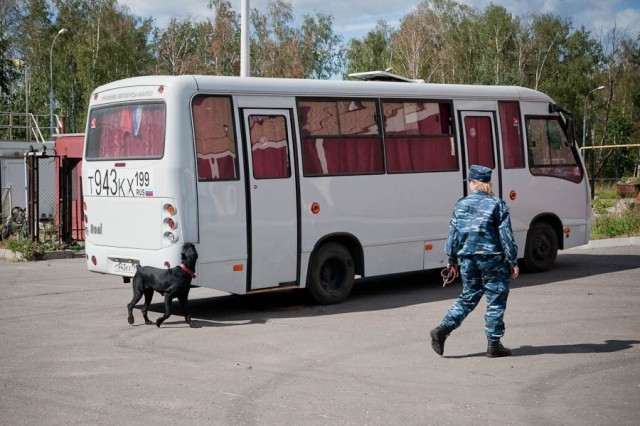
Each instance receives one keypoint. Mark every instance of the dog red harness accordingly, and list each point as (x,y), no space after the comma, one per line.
(187,270)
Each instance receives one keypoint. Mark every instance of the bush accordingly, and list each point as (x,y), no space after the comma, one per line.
(624,224)
(30,250)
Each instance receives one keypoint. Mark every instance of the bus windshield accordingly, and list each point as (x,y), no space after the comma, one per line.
(126,131)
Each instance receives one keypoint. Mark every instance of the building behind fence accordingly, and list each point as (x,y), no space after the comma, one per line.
(40,179)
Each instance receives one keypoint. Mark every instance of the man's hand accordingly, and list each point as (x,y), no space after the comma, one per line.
(515,272)
(455,269)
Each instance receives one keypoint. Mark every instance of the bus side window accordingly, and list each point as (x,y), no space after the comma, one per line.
(511,135)
(418,137)
(269,147)
(549,151)
(340,137)
(214,137)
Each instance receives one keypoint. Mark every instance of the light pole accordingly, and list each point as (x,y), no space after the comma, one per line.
(19,63)
(584,118)
(62,31)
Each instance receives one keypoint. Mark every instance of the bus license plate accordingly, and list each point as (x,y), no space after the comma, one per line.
(124,268)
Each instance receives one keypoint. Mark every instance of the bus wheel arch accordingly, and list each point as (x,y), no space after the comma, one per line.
(542,244)
(332,268)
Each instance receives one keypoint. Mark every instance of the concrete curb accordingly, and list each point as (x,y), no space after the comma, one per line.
(10,256)
(611,242)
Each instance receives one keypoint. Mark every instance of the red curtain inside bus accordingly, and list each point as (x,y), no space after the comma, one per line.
(340,137)
(511,139)
(269,146)
(133,131)
(479,141)
(420,154)
(342,156)
(215,138)
(418,137)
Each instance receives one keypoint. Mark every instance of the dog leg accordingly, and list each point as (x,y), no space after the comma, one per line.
(148,296)
(167,310)
(137,295)
(185,308)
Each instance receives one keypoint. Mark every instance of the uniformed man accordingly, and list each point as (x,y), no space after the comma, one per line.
(481,248)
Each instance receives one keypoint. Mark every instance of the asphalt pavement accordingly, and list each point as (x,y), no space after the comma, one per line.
(68,355)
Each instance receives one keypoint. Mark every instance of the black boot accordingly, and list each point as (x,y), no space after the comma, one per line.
(496,350)
(438,336)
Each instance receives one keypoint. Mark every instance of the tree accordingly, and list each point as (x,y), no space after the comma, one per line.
(372,53)
(322,53)
(497,31)
(176,48)
(222,38)
(273,51)
(426,45)
(279,49)
(104,43)
(10,19)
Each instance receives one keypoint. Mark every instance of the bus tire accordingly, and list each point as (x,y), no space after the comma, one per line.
(331,274)
(541,248)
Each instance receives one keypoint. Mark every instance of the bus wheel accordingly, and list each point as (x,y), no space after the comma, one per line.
(331,274)
(541,248)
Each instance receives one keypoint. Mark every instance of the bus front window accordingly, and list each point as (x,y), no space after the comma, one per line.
(126,131)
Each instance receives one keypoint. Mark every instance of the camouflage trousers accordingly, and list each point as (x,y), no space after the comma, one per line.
(482,275)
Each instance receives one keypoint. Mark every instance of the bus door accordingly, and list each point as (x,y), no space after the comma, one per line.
(479,134)
(272,209)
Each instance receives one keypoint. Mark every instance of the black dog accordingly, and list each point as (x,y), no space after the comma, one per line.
(172,283)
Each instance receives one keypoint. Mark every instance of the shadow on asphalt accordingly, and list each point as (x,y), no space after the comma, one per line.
(371,294)
(578,348)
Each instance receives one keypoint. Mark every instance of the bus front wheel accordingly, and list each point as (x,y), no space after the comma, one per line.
(331,274)
(541,248)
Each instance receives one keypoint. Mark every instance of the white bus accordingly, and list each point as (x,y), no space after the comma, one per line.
(286,183)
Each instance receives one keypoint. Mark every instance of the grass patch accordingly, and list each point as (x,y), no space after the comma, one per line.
(31,250)
(609,224)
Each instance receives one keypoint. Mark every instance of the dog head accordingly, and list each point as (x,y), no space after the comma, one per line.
(189,256)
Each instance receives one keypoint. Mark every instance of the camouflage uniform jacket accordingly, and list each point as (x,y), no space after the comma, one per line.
(480,225)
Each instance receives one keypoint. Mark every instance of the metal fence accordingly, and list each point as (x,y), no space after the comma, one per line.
(588,154)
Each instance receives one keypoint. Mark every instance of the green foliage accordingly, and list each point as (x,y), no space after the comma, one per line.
(625,224)
(371,53)
(613,219)
(605,192)
(30,250)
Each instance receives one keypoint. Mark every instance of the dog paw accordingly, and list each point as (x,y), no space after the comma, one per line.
(149,322)
(158,324)
(194,324)
(130,320)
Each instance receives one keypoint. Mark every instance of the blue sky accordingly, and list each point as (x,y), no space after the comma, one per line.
(354,18)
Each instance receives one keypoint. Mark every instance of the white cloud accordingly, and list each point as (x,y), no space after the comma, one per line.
(354,18)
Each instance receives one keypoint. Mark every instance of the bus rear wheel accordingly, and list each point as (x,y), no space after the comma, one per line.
(541,248)
(331,274)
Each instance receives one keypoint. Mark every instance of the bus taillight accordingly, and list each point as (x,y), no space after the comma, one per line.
(169,209)
(170,222)
(171,237)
